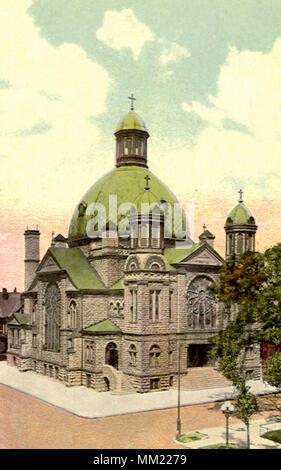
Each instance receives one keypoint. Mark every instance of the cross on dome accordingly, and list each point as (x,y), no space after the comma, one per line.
(147,179)
(241,193)
(132,101)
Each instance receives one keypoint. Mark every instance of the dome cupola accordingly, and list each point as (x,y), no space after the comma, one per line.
(131,139)
(240,228)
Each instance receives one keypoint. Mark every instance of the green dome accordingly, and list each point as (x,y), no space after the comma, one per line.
(240,214)
(148,201)
(127,183)
(131,121)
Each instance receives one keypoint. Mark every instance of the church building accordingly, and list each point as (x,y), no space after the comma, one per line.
(110,306)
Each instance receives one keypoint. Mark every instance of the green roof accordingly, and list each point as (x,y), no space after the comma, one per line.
(117,285)
(240,214)
(147,200)
(126,183)
(131,121)
(77,268)
(21,318)
(175,255)
(103,326)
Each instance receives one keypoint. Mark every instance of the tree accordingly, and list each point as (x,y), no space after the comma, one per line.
(246,406)
(253,281)
(272,370)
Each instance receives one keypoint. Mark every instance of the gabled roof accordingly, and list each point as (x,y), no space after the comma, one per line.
(79,271)
(20,318)
(60,238)
(103,327)
(175,255)
(117,285)
(10,302)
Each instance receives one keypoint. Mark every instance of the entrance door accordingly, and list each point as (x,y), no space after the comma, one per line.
(198,355)
(111,355)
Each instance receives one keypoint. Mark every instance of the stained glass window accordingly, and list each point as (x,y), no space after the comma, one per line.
(52,317)
(200,304)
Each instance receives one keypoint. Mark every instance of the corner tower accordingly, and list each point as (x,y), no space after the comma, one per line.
(240,228)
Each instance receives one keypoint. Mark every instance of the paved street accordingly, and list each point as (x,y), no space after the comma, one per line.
(29,423)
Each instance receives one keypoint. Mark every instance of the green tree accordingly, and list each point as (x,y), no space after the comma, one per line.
(246,406)
(252,282)
(272,370)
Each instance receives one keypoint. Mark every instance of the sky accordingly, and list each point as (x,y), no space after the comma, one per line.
(206,75)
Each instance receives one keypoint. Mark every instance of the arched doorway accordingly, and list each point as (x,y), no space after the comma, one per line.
(107,384)
(111,355)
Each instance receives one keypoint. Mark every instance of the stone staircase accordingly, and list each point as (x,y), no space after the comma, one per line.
(199,378)
(118,382)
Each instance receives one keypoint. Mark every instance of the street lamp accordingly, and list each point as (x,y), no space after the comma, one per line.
(227,408)
(179,386)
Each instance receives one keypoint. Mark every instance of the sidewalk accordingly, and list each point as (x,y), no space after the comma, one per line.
(88,403)
(237,435)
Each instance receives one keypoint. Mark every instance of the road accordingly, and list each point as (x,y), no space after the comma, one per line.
(28,423)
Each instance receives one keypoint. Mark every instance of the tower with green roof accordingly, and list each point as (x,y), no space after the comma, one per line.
(240,228)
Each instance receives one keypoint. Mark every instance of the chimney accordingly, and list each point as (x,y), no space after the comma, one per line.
(32,255)
(5,293)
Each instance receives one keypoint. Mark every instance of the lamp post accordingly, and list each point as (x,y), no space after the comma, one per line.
(227,408)
(179,386)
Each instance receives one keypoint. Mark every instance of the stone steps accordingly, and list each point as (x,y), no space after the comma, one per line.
(199,378)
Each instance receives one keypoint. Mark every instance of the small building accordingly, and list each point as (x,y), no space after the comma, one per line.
(10,303)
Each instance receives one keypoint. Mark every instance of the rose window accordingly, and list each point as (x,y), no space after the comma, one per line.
(200,304)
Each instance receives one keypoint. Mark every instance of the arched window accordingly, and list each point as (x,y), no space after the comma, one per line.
(111,355)
(200,304)
(132,355)
(34,311)
(89,352)
(72,315)
(154,356)
(230,244)
(52,317)
(155,267)
(239,243)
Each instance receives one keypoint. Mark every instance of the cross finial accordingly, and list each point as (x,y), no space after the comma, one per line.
(241,193)
(147,179)
(204,227)
(132,101)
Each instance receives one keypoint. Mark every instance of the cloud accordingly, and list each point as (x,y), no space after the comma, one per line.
(249,92)
(123,30)
(47,95)
(173,52)
(242,139)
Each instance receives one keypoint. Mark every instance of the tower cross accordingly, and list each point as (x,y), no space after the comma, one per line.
(147,179)
(132,101)
(241,193)
(204,227)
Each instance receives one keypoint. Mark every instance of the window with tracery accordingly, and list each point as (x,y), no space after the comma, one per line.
(52,317)
(200,304)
